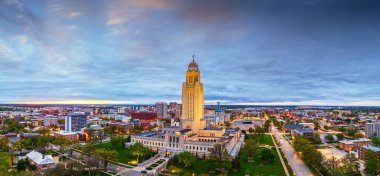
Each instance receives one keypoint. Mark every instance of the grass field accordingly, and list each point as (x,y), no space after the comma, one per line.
(124,154)
(257,168)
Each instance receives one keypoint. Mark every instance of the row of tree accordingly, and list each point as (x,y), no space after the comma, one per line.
(349,165)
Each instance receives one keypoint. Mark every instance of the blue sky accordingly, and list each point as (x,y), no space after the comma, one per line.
(254,51)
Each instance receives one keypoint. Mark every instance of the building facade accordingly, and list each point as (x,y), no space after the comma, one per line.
(191,134)
(372,130)
(192,99)
(50,120)
(75,122)
(350,145)
(161,110)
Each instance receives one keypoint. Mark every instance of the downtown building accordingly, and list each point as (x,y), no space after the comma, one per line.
(75,122)
(372,130)
(191,135)
(161,110)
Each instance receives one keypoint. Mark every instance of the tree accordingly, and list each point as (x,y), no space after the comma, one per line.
(350,165)
(375,142)
(258,133)
(88,149)
(122,140)
(251,148)
(332,165)
(43,131)
(340,136)
(100,136)
(186,158)
(62,142)
(351,132)
(58,170)
(5,161)
(110,130)
(74,168)
(18,145)
(251,130)
(329,138)
(106,155)
(4,143)
(358,135)
(138,150)
(21,164)
(114,141)
(219,152)
(173,161)
(317,125)
(316,139)
(72,145)
(266,125)
(372,162)
(267,155)
(227,124)
(43,142)
(92,162)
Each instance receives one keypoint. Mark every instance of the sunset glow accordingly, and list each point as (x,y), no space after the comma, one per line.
(75,102)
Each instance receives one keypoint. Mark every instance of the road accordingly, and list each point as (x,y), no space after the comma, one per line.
(281,159)
(298,166)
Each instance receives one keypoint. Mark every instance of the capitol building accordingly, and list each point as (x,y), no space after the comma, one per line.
(191,134)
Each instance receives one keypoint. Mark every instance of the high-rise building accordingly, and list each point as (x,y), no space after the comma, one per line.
(190,133)
(372,129)
(219,113)
(178,111)
(161,109)
(75,122)
(173,105)
(192,99)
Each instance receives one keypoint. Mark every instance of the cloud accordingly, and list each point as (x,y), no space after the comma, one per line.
(74,14)
(5,51)
(249,52)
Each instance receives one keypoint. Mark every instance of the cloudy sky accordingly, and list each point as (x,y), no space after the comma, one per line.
(254,51)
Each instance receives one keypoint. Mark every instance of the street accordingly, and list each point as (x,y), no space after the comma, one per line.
(298,166)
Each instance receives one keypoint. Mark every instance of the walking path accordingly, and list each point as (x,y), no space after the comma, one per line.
(279,154)
(298,166)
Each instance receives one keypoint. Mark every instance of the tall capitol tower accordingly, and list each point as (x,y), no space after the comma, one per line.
(192,99)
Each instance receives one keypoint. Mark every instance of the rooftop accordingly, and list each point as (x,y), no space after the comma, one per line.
(305,130)
(214,129)
(39,158)
(373,148)
(354,141)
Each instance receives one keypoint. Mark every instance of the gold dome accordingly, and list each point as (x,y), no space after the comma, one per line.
(193,66)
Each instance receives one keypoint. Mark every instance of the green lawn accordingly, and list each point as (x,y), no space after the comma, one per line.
(124,154)
(258,168)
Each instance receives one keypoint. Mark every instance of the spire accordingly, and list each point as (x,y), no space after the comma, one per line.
(193,57)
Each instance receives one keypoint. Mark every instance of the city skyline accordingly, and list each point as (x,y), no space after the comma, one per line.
(133,52)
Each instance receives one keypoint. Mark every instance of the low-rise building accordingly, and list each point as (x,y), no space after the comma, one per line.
(69,135)
(50,120)
(337,122)
(310,125)
(307,132)
(350,145)
(289,127)
(40,160)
